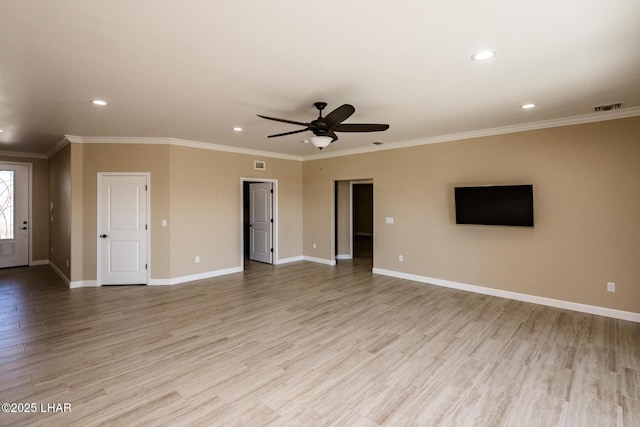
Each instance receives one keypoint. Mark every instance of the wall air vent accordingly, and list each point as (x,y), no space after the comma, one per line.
(259,165)
(608,107)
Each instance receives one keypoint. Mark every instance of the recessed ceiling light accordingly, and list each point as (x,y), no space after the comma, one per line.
(483,55)
(1,130)
(99,102)
(528,106)
(237,129)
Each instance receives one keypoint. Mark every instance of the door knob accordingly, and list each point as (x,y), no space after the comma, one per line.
(103,236)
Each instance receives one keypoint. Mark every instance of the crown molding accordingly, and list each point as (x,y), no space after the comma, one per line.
(217,147)
(523,127)
(59,146)
(22,154)
(176,142)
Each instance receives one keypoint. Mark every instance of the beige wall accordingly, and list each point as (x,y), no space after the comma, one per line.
(76,211)
(586,185)
(198,193)
(87,161)
(60,216)
(206,207)
(587,211)
(39,208)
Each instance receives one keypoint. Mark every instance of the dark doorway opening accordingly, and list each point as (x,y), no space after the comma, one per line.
(354,221)
(362,217)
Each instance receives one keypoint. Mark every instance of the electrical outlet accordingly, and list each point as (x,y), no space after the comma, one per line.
(315,246)
(400,258)
(197,259)
(611,287)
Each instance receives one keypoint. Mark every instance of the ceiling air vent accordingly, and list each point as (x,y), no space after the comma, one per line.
(608,107)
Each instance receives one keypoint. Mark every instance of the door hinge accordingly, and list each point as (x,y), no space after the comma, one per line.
(271,250)
(271,220)
(145,227)
(145,267)
(146,187)
(272,191)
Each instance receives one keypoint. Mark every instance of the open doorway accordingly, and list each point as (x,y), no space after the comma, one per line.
(354,220)
(362,214)
(258,222)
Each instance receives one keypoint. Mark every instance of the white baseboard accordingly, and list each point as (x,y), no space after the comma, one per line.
(289,260)
(165,282)
(193,277)
(84,284)
(344,256)
(39,262)
(59,272)
(319,260)
(550,302)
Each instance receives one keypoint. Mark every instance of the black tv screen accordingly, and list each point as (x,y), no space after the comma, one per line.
(495,205)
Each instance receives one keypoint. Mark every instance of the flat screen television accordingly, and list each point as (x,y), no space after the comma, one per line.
(495,205)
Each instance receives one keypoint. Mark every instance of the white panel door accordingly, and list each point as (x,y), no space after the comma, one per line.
(260,222)
(123,229)
(14,215)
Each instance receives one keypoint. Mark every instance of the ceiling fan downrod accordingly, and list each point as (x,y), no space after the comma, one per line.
(320,106)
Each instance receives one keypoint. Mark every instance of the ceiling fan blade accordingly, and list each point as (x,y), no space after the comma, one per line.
(339,115)
(284,121)
(288,133)
(360,127)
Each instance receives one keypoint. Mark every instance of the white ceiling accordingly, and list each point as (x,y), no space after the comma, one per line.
(194,69)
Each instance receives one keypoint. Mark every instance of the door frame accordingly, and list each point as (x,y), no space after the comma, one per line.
(274,208)
(29,208)
(334,224)
(338,206)
(147,175)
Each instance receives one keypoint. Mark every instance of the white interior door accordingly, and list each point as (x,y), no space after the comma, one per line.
(261,222)
(123,229)
(14,215)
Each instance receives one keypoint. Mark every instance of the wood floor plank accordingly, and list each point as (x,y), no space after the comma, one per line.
(307,344)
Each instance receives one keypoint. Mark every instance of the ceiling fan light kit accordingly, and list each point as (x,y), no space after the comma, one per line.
(324,128)
(321,141)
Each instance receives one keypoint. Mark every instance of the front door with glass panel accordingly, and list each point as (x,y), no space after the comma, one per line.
(14,215)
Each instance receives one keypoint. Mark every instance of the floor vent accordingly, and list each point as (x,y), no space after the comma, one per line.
(608,107)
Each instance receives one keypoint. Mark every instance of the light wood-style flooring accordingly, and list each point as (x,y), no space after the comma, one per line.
(305,344)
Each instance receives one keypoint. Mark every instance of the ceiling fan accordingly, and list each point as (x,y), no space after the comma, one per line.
(324,128)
